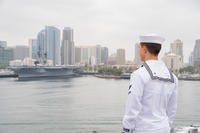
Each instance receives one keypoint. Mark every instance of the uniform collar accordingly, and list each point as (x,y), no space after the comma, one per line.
(158,70)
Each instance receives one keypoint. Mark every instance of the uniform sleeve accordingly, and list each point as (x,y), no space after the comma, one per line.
(133,104)
(172,105)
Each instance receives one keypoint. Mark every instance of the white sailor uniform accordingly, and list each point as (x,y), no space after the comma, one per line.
(152,99)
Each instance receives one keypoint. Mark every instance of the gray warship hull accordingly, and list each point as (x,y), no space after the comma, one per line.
(26,73)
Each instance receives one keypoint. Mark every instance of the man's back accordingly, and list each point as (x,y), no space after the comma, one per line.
(152,96)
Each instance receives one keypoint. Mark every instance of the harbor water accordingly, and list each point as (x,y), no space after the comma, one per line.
(81,104)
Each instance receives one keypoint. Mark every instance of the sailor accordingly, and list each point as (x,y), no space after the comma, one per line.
(152,93)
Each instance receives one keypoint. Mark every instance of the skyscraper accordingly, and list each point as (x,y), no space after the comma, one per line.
(52,35)
(3,44)
(112,59)
(33,48)
(77,55)
(41,44)
(177,48)
(121,59)
(85,55)
(67,48)
(48,42)
(21,52)
(94,55)
(191,59)
(173,62)
(104,55)
(137,59)
(6,55)
(196,54)
(98,54)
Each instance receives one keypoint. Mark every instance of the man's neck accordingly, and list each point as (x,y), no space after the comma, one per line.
(151,57)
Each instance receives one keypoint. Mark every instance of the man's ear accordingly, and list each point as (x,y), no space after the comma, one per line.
(145,49)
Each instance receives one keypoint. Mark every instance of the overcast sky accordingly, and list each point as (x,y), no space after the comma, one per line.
(111,23)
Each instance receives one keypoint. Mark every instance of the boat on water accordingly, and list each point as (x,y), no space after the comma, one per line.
(192,77)
(38,72)
(107,76)
(125,75)
(6,73)
(190,129)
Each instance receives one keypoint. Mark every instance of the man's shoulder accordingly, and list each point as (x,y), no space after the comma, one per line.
(140,73)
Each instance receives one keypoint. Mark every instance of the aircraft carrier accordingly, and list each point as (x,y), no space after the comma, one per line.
(38,72)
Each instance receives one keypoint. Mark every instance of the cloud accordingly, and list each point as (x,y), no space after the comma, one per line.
(114,23)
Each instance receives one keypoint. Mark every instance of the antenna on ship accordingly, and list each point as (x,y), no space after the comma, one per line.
(45,58)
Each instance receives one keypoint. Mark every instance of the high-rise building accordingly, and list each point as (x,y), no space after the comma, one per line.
(85,55)
(196,54)
(48,42)
(177,48)
(3,44)
(52,35)
(121,59)
(41,43)
(92,52)
(41,47)
(173,62)
(191,59)
(21,52)
(98,54)
(77,55)
(33,49)
(112,59)
(94,55)
(137,59)
(104,55)
(68,48)
(6,55)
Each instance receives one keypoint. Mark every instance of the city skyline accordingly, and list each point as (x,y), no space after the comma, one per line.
(162,53)
(111,23)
